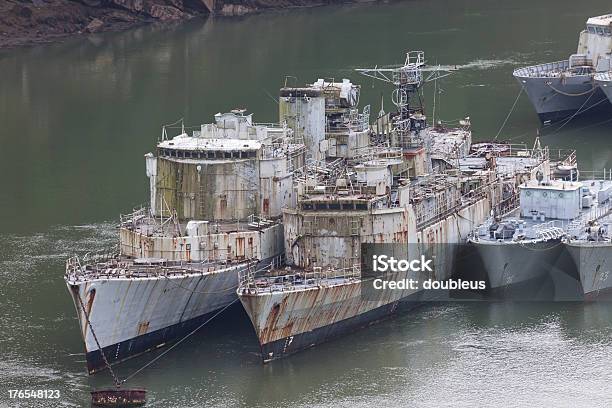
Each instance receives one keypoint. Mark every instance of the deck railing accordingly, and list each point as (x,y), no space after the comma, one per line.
(282,280)
(79,269)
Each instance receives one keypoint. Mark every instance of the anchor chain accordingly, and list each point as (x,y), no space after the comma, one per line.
(115,379)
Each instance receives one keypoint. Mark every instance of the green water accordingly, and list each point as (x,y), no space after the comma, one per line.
(77,117)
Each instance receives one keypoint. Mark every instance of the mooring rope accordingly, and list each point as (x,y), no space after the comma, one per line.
(509,113)
(577,112)
(176,344)
(115,379)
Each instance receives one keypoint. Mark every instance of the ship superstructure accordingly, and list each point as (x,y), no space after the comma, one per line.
(325,116)
(559,90)
(319,295)
(215,210)
(388,196)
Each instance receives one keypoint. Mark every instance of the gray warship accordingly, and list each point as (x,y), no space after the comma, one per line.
(604,80)
(215,210)
(553,215)
(389,194)
(559,90)
(523,245)
(589,239)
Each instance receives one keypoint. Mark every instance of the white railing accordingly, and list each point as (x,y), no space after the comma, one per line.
(548,70)
(133,218)
(577,226)
(89,268)
(548,230)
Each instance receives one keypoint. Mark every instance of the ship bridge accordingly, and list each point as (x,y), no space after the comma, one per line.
(600,25)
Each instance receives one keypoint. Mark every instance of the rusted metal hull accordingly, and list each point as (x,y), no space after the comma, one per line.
(132,315)
(292,344)
(287,321)
(290,321)
(445,236)
(124,350)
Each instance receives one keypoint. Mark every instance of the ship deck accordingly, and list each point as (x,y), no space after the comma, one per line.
(599,211)
(297,279)
(555,69)
(141,222)
(127,268)
(603,77)
(504,164)
(532,230)
(538,229)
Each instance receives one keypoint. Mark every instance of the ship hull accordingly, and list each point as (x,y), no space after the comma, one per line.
(122,351)
(556,99)
(593,260)
(605,85)
(133,315)
(510,265)
(295,343)
(289,322)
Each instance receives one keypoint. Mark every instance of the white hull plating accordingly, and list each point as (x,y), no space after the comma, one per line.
(125,310)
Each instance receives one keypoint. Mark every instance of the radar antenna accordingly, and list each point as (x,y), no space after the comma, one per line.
(407,79)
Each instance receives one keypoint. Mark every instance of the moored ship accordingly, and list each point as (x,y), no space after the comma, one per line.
(559,90)
(215,208)
(523,243)
(378,198)
(589,240)
(604,80)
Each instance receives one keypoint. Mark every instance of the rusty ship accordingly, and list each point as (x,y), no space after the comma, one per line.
(215,210)
(403,187)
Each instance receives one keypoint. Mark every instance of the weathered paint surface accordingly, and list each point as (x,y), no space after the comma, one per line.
(123,309)
(445,236)
(233,246)
(593,261)
(280,315)
(304,112)
(284,315)
(221,189)
(229,180)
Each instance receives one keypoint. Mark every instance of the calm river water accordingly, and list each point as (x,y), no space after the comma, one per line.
(77,117)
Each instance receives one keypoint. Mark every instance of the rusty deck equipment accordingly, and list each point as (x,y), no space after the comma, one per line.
(119,397)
